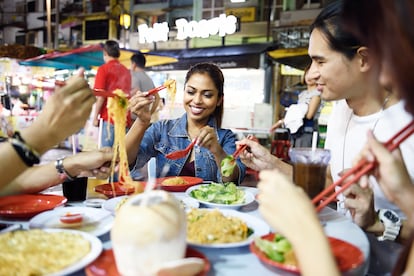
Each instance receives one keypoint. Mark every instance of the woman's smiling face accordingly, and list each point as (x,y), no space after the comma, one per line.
(200,97)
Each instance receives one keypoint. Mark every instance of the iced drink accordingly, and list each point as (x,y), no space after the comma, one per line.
(75,190)
(309,168)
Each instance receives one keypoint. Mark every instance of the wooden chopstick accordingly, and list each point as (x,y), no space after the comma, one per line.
(360,169)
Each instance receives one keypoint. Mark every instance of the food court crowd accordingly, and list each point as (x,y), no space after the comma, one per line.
(359,60)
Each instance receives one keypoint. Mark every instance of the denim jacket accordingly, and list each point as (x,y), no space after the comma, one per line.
(166,136)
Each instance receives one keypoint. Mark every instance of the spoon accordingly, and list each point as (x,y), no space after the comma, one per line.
(181,153)
(182,267)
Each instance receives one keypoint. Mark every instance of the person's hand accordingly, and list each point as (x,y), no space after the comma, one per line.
(95,122)
(90,164)
(64,113)
(360,202)
(140,105)
(276,125)
(207,138)
(284,205)
(288,209)
(256,156)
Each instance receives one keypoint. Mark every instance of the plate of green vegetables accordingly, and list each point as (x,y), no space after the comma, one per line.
(221,195)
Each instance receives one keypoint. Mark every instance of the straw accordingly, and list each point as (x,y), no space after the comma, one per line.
(152,170)
(100,133)
(314,140)
(152,174)
(73,140)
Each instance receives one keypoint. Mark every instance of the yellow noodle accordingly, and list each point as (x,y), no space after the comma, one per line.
(117,111)
(37,252)
(174,181)
(171,86)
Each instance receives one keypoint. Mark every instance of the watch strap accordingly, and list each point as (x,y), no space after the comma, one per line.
(28,155)
(391,229)
(61,169)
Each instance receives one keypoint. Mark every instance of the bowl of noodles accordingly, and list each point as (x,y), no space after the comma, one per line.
(178,183)
(63,251)
(214,228)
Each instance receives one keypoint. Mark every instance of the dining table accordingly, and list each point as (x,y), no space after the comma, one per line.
(240,260)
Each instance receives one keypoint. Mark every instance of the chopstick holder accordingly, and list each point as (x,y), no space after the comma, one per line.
(360,169)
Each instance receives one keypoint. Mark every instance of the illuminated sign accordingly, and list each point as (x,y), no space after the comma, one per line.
(159,32)
(247,14)
(222,26)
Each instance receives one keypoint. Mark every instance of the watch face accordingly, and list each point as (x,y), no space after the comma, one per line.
(389,215)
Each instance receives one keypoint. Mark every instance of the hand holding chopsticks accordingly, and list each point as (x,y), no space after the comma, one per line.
(243,147)
(363,167)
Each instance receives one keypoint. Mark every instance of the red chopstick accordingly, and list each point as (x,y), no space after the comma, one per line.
(156,90)
(96,92)
(239,151)
(360,169)
(103,93)
(243,147)
(168,83)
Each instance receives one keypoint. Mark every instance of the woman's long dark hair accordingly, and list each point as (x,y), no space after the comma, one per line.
(215,73)
(386,27)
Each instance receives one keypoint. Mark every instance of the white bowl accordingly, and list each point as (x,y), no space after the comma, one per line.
(248,198)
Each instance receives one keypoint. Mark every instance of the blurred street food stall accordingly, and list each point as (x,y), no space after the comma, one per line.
(32,80)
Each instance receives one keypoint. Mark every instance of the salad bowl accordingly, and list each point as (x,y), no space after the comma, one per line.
(221,195)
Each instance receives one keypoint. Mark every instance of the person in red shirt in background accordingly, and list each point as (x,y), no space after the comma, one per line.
(110,76)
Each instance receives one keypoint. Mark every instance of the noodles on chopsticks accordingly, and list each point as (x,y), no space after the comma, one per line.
(117,112)
(171,87)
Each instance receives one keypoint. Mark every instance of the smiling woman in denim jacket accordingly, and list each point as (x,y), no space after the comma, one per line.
(203,103)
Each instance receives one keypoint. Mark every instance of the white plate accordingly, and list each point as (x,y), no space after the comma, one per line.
(95,221)
(188,202)
(258,226)
(96,249)
(248,198)
(111,204)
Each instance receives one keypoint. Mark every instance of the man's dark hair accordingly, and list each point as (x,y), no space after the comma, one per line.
(329,23)
(111,47)
(139,59)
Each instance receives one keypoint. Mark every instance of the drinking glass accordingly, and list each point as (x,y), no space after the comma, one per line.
(309,168)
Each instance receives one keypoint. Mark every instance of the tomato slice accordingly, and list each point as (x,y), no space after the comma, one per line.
(71,218)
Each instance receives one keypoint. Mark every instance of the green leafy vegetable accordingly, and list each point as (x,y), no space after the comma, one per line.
(227,165)
(123,102)
(276,249)
(226,193)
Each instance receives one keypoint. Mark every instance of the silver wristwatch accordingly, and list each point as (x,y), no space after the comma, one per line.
(392,224)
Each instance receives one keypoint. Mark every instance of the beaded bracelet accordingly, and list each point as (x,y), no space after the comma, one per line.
(28,155)
(61,170)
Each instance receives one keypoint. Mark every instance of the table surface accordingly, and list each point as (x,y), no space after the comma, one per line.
(239,260)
